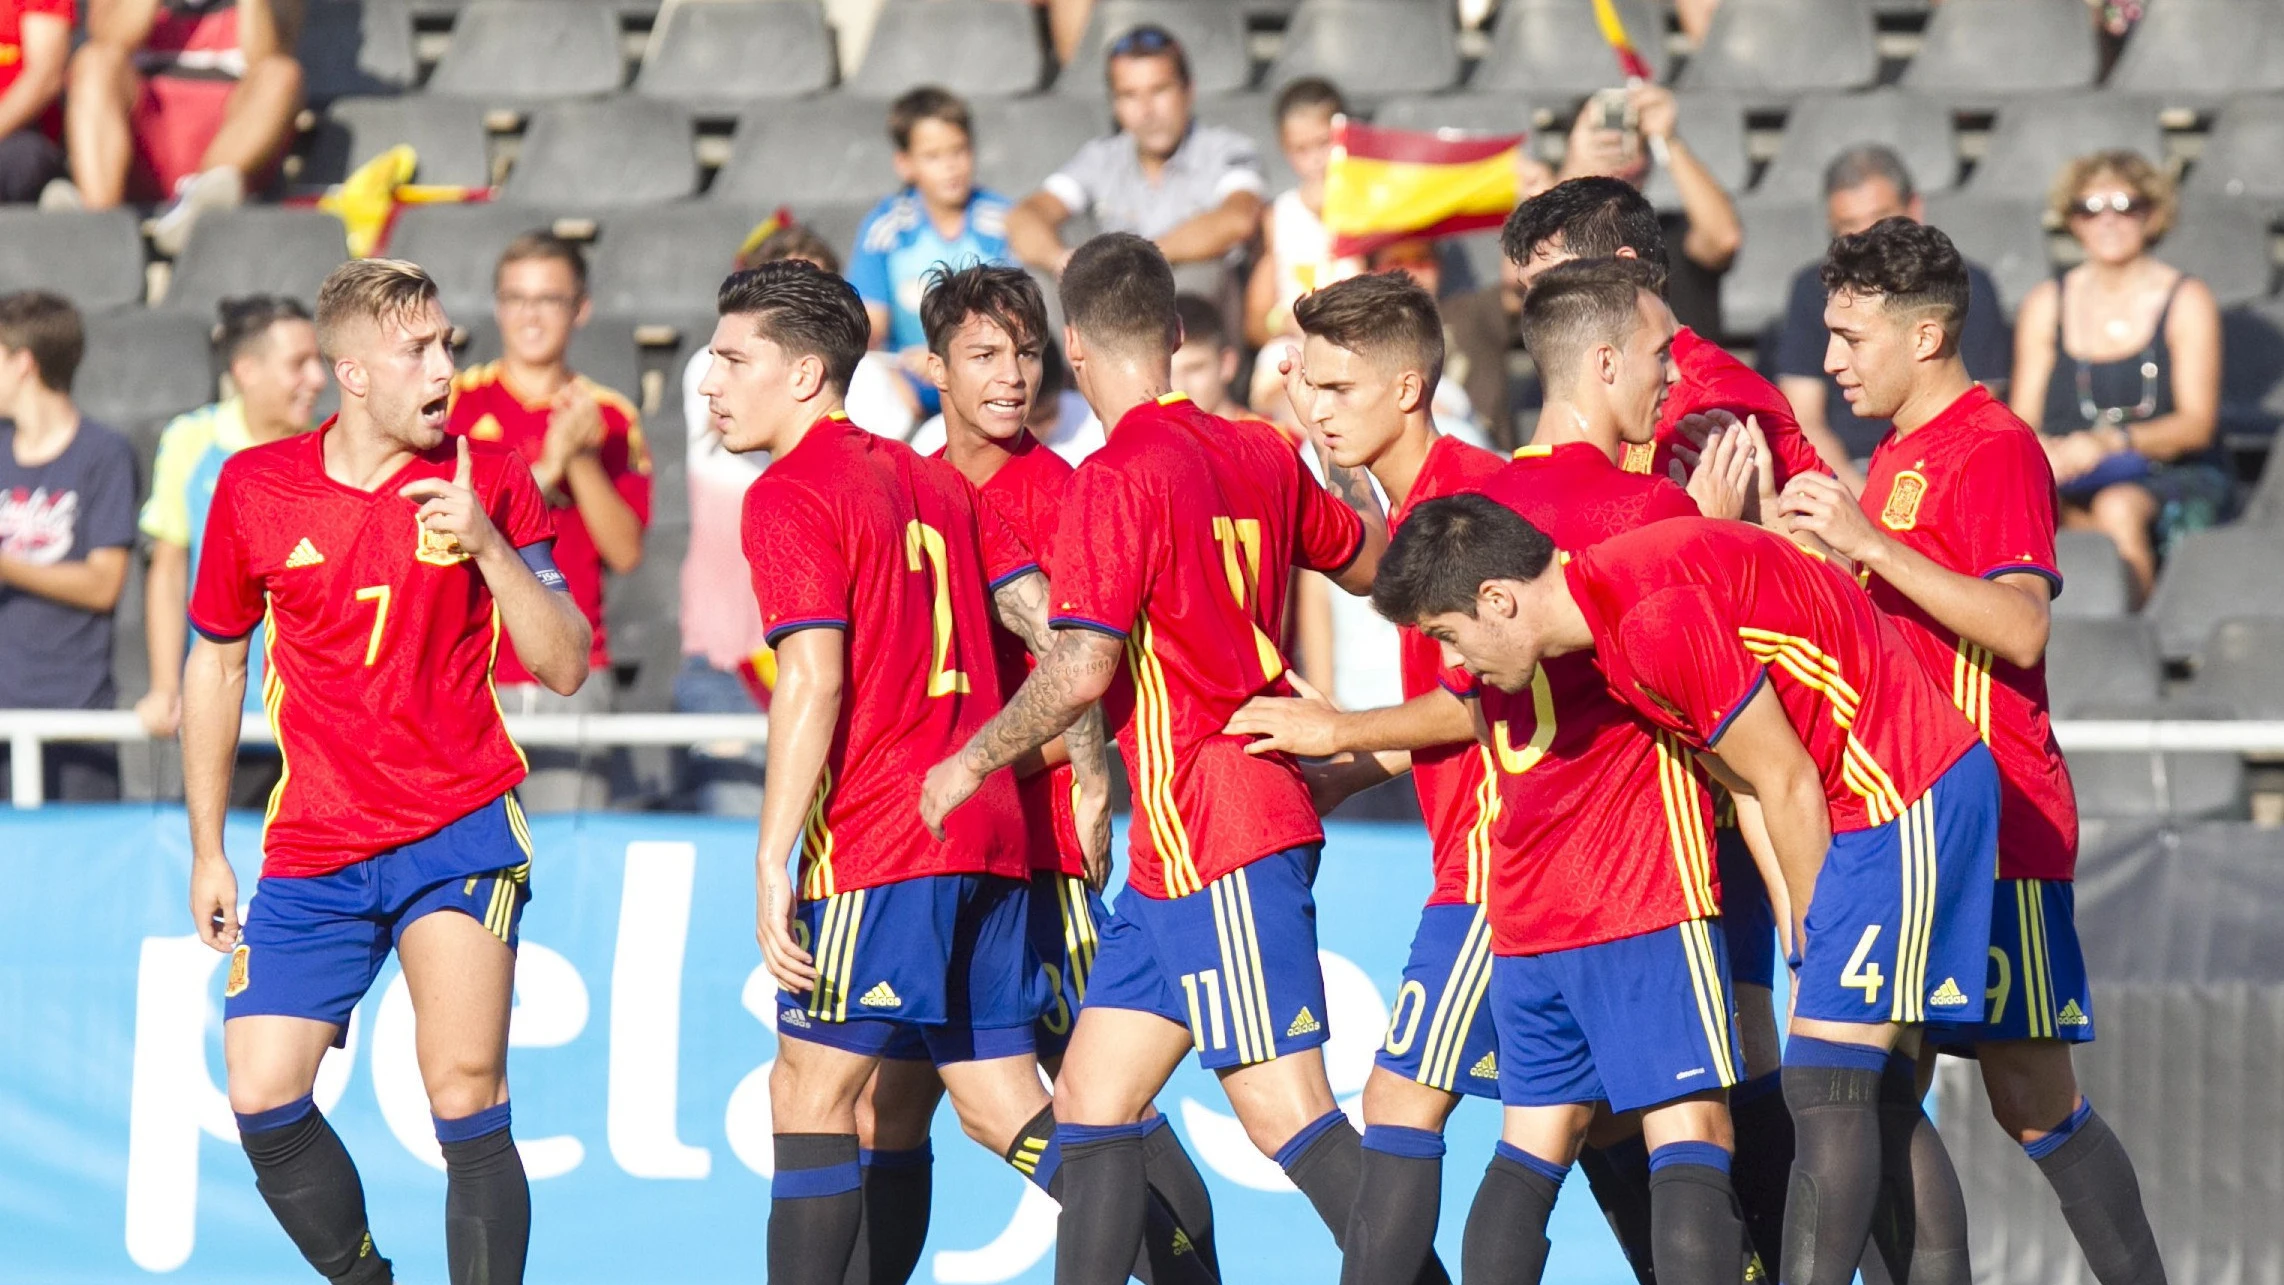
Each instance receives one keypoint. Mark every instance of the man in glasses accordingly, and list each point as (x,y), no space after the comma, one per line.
(584,445)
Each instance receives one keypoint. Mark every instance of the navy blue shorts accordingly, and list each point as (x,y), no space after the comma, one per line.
(1235,961)
(1066,931)
(1439,1033)
(2037,986)
(945,955)
(312,944)
(1632,1022)
(1900,927)
(1747,919)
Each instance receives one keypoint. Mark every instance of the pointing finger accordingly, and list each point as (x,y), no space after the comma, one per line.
(463,473)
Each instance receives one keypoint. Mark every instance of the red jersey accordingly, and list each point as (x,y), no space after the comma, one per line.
(1971,490)
(487,409)
(378,658)
(1603,823)
(1712,379)
(12,14)
(854,532)
(1177,536)
(1689,618)
(1457,794)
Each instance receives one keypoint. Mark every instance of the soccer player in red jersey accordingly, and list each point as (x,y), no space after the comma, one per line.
(390,566)
(869,560)
(1955,538)
(1172,556)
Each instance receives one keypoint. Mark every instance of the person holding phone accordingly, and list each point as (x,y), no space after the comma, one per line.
(1632,133)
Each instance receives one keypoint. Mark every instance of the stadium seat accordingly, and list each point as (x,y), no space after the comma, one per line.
(256,250)
(2252,389)
(1474,113)
(2094,579)
(1253,115)
(2103,668)
(1212,33)
(2213,576)
(810,150)
(142,369)
(2199,52)
(2224,244)
(447,134)
(2265,506)
(2242,672)
(1979,52)
(667,264)
(1780,236)
(507,53)
(2133,785)
(975,48)
(1821,127)
(1556,47)
(607,153)
(2006,237)
(718,53)
(1713,125)
(460,246)
(603,350)
(2240,154)
(1020,141)
(1777,50)
(836,221)
(349,48)
(93,259)
(2036,137)
(1370,48)
(643,612)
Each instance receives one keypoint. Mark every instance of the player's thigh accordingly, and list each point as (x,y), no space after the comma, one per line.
(1392,1098)
(1612,1127)
(2032,1085)
(461,978)
(1553,1133)
(898,1105)
(995,1097)
(1277,1099)
(1117,1060)
(814,1087)
(1700,1117)
(273,1060)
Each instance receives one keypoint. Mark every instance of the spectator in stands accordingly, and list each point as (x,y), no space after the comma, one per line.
(1701,239)
(584,444)
(2117,364)
(1862,186)
(1194,189)
(35,47)
(1480,327)
(1205,366)
(940,216)
(182,100)
(269,349)
(1296,251)
(67,525)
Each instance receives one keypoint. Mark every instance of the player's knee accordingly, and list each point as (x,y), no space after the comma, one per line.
(1394,1099)
(2030,1088)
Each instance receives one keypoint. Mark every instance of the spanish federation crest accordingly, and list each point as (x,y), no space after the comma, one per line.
(437,548)
(1902,510)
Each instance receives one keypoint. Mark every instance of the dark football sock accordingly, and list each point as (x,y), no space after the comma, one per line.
(487,1199)
(1169,1254)
(1763,1167)
(311,1185)
(898,1187)
(1619,1177)
(1833,1090)
(1506,1227)
(1326,1161)
(1696,1233)
(815,1204)
(1105,1196)
(1391,1227)
(1919,1224)
(2101,1198)
(1188,1207)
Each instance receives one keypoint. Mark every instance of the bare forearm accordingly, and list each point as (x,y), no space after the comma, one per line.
(2169,437)
(803,712)
(2013,623)
(610,519)
(1354,487)
(1069,679)
(1035,236)
(1435,718)
(213,693)
(165,627)
(1714,233)
(267,27)
(1798,824)
(1212,234)
(25,100)
(551,637)
(91,585)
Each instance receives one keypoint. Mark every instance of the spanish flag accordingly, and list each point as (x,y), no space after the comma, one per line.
(1389,185)
(1630,60)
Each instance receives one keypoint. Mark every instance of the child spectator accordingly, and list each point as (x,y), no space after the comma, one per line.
(1296,251)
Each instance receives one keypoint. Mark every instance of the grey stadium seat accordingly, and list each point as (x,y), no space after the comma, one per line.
(1253,115)
(1469,113)
(143,369)
(2252,392)
(2213,576)
(836,221)
(2131,785)
(2225,245)
(667,263)
(608,153)
(1212,33)
(349,48)
(717,52)
(1780,236)
(510,52)
(2095,584)
(2265,505)
(2036,137)
(2242,673)
(447,134)
(975,48)
(94,259)
(812,150)
(2194,52)
(460,246)
(2005,236)
(1370,48)
(256,249)
(2239,156)
(603,350)
(1020,141)
(1556,47)
(2103,668)
(1776,50)
(1982,51)
(1821,127)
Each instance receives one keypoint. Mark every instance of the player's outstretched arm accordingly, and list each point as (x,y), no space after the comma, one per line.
(804,708)
(1761,758)
(1312,727)
(1072,676)
(1022,607)
(213,693)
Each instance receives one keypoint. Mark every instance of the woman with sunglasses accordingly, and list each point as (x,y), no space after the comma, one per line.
(2117,364)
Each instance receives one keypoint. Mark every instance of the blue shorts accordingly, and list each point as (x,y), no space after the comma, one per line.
(1443,988)
(2037,985)
(1066,930)
(1900,926)
(1632,1022)
(312,944)
(1747,919)
(943,955)
(1235,961)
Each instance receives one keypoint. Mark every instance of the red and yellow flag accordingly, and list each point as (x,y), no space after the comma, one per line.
(1630,60)
(1389,185)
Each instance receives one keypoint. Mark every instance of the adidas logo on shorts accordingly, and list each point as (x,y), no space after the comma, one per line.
(793,1017)
(1486,1067)
(1304,1024)
(2072,1015)
(880,996)
(1948,995)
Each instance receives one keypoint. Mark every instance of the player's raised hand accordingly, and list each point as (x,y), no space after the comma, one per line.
(1761,508)
(773,927)
(1307,725)
(1296,387)
(948,785)
(214,902)
(574,422)
(450,508)
(1091,817)
(1722,477)
(1819,506)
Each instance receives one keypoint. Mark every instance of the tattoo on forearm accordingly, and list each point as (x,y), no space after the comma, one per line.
(1049,702)
(1021,605)
(1090,766)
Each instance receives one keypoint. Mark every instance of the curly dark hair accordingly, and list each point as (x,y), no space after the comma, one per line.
(1911,266)
(1595,217)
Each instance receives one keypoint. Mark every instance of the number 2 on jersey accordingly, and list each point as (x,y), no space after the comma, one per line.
(378,595)
(1240,540)
(922,541)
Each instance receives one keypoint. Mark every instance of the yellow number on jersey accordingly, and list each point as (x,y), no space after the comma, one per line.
(1240,540)
(378,595)
(1860,974)
(924,541)
(1515,762)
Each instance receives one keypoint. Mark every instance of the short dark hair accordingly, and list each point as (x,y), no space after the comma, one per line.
(1864,163)
(47,326)
(1309,93)
(1202,321)
(543,244)
(1595,217)
(243,322)
(1579,304)
(1006,297)
(1384,316)
(1447,548)
(803,309)
(928,102)
(1911,266)
(1148,40)
(1118,290)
